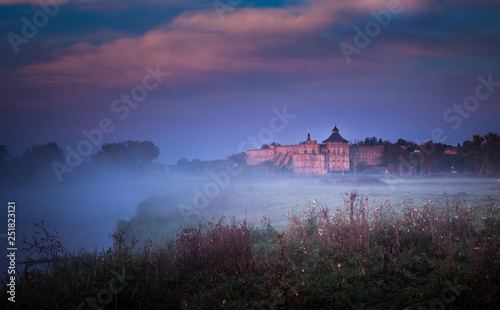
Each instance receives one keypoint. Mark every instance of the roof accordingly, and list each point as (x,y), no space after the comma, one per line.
(335,137)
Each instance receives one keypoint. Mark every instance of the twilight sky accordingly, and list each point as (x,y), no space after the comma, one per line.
(199,77)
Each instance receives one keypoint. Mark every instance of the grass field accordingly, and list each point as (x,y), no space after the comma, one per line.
(316,243)
(275,196)
(333,242)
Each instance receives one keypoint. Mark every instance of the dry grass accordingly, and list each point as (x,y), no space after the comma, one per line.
(358,256)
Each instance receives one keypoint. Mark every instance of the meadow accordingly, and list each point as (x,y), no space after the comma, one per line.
(341,242)
(274,197)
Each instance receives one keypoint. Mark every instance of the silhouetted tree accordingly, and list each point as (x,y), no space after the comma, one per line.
(431,154)
(398,155)
(240,159)
(132,154)
(492,149)
(183,162)
(370,142)
(265,146)
(473,152)
(39,158)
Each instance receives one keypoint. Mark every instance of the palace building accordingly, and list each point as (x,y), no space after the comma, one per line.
(310,157)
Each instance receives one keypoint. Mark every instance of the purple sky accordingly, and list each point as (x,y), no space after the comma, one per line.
(229,67)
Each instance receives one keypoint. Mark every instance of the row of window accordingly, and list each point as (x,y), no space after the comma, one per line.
(365,156)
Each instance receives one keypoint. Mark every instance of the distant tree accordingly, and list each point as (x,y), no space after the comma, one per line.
(403,143)
(369,142)
(265,146)
(132,154)
(240,159)
(183,162)
(39,158)
(492,149)
(398,155)
(195,166)
(431,154)
(473,152)
(362,166)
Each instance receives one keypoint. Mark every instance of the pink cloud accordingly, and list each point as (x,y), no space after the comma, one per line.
(10,2)
(409,49)
(107,3)
(198,42)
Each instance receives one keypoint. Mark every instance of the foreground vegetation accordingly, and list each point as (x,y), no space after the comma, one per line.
(419,257)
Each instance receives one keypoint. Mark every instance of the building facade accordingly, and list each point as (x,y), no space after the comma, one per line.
(369,155)
(310,157)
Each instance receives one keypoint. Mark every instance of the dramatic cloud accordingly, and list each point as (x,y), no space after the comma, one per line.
(198,41)
(259,54)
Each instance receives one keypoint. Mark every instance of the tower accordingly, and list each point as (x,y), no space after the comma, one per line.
(336,150)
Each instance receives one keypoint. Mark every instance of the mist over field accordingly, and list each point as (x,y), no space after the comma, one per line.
(119,204)
(215,154)
(85,208)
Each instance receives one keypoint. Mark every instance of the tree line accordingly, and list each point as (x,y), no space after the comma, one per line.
(39,160)
(479,156)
